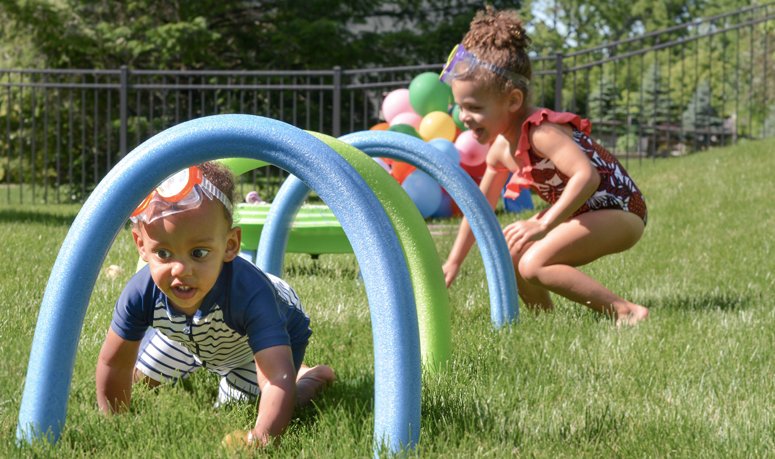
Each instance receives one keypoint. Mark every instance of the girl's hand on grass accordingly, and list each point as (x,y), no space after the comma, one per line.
(450,272)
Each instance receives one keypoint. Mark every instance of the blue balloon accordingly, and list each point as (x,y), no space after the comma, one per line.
(424,191)
(448,148)
(445,207)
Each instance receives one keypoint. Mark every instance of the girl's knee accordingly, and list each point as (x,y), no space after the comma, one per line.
(529,268)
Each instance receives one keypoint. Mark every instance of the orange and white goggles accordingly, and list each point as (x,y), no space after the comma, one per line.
(179,192)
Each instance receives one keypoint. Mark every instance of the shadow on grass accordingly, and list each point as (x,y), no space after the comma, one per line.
(353,395)
(65,218)
(455,417)
(316,267)
(710,301)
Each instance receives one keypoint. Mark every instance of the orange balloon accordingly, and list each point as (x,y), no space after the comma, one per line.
(401,170)
(383,126)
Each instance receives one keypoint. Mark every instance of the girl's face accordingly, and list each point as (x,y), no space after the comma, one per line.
(485,112)
(186,251)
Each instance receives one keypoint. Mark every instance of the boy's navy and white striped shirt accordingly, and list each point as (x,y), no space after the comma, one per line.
(246,311)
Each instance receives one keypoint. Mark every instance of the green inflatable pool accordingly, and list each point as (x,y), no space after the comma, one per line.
(315,229)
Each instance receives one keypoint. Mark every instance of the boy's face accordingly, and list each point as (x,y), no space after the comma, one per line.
(186,251)
(485,112)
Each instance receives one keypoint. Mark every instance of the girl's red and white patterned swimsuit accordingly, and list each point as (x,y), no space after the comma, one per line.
(616,190)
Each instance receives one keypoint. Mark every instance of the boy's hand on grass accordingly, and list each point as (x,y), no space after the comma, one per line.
(238,440)
(244,440)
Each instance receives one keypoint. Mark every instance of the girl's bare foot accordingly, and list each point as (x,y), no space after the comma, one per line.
(310,381)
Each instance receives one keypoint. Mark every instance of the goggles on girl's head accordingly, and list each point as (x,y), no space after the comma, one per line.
(179,192)
(461,62)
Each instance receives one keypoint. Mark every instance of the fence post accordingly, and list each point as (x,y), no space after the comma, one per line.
(122,108)
(558,82)
(336,125)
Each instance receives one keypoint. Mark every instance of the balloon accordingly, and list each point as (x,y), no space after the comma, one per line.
(445,206)
(401,170)
(253,198)
(428,94)
(424,191)
(456,117)
(446,147)
(382,163)
(410,118)
(472,153)
(475,172)
(397,101)
(522,202)
(380,127)
(404,129)
(437,125)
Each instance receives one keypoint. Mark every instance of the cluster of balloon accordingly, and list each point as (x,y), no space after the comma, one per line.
(426,110)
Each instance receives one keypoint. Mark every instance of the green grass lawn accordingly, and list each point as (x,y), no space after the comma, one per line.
(696,380)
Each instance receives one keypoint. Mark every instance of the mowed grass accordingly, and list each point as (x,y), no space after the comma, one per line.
(696,380)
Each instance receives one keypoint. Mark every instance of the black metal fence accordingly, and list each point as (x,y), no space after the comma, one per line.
(670,92)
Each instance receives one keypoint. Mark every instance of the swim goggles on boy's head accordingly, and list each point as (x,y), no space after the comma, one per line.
(461,63)
(179,192)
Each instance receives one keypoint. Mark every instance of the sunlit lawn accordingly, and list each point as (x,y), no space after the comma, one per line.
(696,380)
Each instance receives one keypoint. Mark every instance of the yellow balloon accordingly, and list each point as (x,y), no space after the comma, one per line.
(437,125)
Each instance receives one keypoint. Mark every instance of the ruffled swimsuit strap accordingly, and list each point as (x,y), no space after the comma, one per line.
(522,178)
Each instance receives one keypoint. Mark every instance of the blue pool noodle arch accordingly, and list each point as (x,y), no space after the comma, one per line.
(502,284)
(499,268)
(393,314)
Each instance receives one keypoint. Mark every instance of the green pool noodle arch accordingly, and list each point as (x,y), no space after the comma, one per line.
(430,290)
(423,262)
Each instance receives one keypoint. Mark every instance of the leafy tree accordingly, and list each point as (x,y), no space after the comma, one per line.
(16,50)
(247,34)
(566,24)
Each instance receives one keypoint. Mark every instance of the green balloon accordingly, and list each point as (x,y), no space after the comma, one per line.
(405,129)
(428,94)
(456,117)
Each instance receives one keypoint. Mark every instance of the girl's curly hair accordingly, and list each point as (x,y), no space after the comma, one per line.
(499,37)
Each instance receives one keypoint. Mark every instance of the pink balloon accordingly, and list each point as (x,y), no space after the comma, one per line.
(472,153)
(397,101)
(410,118)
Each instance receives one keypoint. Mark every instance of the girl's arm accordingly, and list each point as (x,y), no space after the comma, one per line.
(113,377)
(492,182)
(277,381)
(555,143)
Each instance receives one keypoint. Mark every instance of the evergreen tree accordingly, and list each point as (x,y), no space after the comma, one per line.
(701,122)
(604,109)
(769,122)
(659,113)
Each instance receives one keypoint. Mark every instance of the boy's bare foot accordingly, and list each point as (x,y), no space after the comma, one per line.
(311,380)
(635,314)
